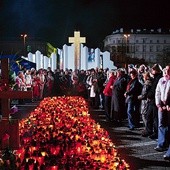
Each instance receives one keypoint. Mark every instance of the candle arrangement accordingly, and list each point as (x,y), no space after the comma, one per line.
(59,134)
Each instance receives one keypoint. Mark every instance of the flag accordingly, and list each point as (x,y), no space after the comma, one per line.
(50,50)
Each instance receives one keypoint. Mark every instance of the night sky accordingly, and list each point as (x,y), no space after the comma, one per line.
(54,21)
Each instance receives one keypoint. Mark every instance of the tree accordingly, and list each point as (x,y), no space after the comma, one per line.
(164,58)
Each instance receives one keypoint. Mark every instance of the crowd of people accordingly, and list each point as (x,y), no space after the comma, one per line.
(133,94)
(142,93)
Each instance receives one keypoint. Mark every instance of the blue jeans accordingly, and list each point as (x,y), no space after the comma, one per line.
(130,114)
(133,114)
(162,128)
(168,152)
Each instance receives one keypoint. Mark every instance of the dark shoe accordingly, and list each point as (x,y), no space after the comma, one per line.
(153,136)
(166,157)
(160,149)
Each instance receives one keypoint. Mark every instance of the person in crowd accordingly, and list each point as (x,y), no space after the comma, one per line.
(50,70)
(68,80)
(166,156)
(108,95)
(20,85)
(151,129)
(141,71)
(36,86)
(87,78)
(50,83)
(28,80)
(65,82)
(99,97)
(57,76)
(91,82)
(20,82)
(161,93)
(74,83)
(82,76)
(133,90)
(45,88)
(118,100)
(143,96)
(74,78)
(42,82)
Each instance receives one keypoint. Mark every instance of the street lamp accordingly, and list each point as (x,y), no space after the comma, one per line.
(24,37)
(126,37)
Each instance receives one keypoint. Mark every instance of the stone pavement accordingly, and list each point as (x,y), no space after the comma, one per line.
(136,150)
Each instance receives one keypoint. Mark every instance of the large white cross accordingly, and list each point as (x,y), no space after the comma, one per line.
(77,40)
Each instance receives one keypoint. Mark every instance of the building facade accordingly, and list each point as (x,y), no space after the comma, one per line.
(139,46)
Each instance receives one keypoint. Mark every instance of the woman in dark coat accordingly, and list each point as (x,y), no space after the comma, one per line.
(118,99)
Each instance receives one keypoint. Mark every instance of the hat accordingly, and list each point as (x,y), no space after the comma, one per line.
(156,67)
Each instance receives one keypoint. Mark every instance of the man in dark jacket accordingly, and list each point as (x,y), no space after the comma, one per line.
(152,111)
(133,104)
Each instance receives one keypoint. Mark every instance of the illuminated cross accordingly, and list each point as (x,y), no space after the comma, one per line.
(77,40)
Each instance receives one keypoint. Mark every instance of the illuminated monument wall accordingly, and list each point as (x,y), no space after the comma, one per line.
(90,58)
(75,56)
